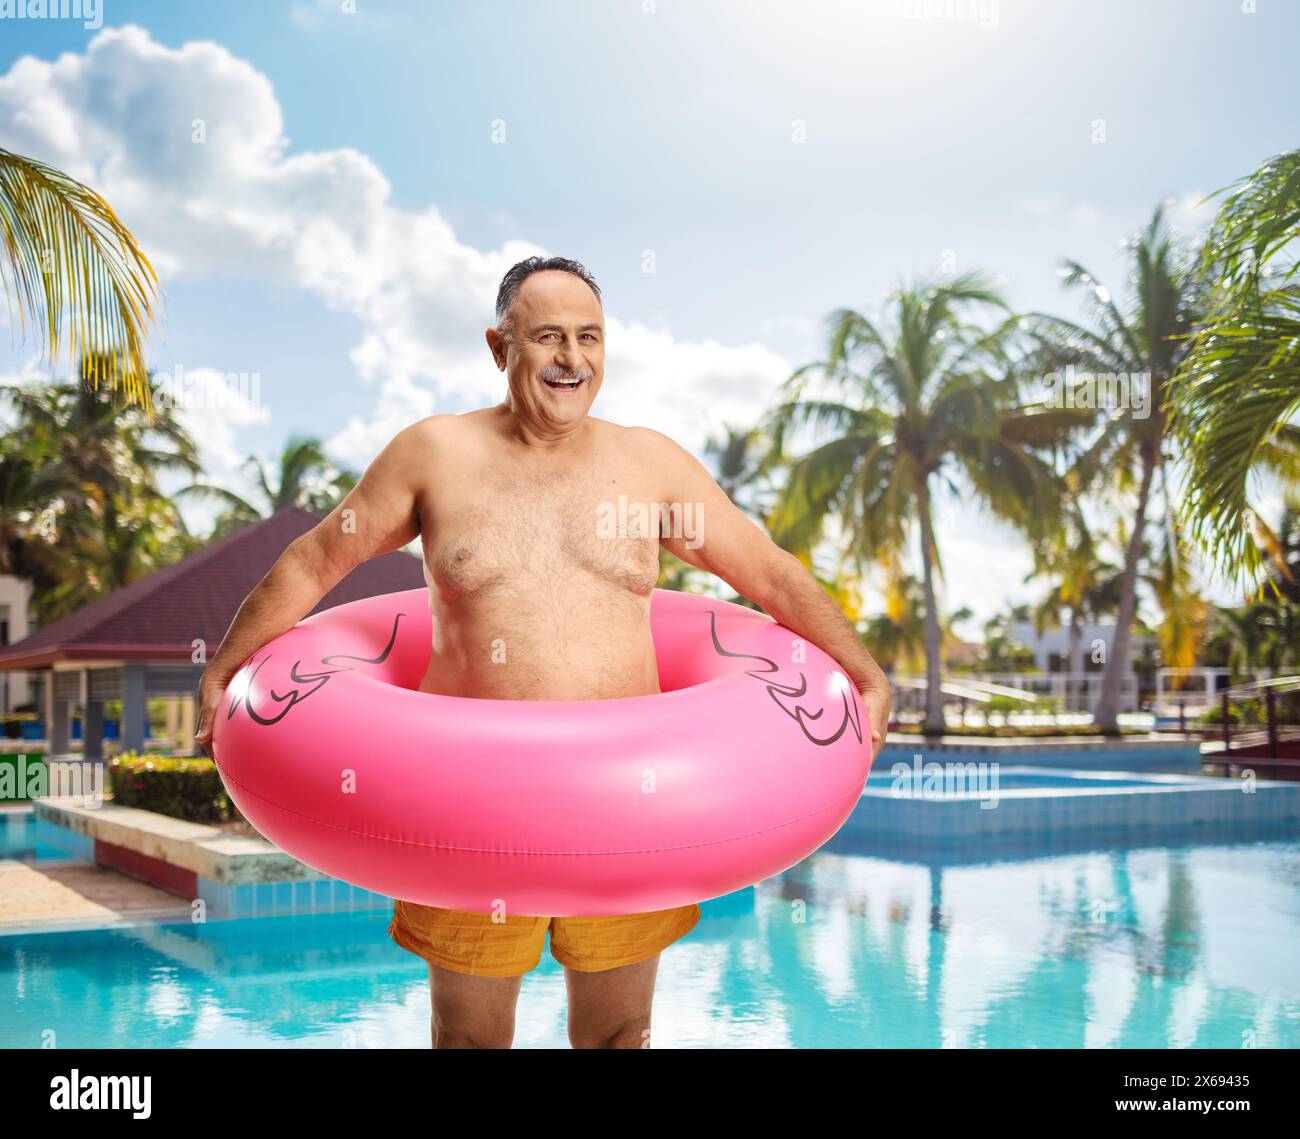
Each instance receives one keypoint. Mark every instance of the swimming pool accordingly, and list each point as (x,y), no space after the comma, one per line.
(21,837)
(972,798)
(1104,945)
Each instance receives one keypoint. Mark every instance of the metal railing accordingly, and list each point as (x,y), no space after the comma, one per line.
(1259,728)
(1069,692)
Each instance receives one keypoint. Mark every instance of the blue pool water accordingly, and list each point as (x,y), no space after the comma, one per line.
(1100,945)
(18,838)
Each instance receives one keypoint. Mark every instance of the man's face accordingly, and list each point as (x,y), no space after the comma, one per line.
(559,338)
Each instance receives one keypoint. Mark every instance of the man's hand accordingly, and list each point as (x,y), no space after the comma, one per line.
(875,698)
(211,688)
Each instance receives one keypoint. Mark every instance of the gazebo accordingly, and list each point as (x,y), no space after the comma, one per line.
(155,636)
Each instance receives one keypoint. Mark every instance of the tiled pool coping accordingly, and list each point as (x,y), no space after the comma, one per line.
(1166,802)
(1126,753)
(234,875)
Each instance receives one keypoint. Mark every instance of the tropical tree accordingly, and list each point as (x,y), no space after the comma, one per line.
(1260,634)
(29,484)
(921,398)
(1134,350)
(1265,632)
(1083,585)
(70,267)
(302,476)
(1002,652)
(896,636)
(739,460)
(1183,610)
(1283,552)
(83,511)
(1235,397)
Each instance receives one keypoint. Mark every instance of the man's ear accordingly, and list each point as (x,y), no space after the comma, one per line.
(497,346)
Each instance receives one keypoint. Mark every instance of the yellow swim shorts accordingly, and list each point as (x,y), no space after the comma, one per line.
(511,946)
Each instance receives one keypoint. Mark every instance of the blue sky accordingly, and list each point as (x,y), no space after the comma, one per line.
(364,178)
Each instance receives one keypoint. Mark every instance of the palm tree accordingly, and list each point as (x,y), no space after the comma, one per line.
(897,636)
(1083,584)
(1260,634)
(1237,637)
(29,484)
(1002,652)
(84,514)
(1283,551)
(72,268)
(920,398)
(1183,611)
(1142,341)
(739,463)
(1235,397)
(305,477)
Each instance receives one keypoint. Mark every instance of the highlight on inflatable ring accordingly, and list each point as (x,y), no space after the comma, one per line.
(751,757)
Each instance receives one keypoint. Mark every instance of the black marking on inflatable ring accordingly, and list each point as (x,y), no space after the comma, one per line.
(801,716)
(318,681)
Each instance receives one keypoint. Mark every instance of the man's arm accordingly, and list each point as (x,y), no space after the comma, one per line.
(379,515)
(735,549)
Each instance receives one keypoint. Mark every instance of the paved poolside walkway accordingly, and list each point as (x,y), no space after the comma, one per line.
(77,894)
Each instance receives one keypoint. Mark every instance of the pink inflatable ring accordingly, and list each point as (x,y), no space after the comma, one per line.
(752,757)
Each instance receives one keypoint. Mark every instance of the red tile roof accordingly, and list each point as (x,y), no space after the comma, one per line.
(159,616)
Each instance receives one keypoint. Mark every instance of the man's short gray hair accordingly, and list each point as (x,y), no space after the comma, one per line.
(520,272)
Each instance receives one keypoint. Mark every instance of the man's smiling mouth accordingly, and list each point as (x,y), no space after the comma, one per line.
(564,385)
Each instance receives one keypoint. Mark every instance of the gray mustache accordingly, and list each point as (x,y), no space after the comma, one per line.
(551,372)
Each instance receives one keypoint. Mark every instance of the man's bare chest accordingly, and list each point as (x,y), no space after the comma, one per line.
(540,533)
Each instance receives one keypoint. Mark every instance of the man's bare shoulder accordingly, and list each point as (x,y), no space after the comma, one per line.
(642,442)
(442,427)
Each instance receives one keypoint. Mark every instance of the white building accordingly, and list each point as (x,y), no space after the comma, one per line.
(15,597)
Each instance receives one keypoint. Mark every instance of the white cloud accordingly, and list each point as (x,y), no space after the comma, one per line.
(189,145)
(687,389)
(195,394)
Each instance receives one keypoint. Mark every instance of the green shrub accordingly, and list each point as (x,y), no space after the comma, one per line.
(1003,706)
(1245,712)
(1028,731)
(184,787)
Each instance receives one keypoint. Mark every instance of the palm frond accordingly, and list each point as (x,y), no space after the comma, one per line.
(71,267)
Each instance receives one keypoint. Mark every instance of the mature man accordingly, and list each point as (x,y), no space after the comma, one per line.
(511,506)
